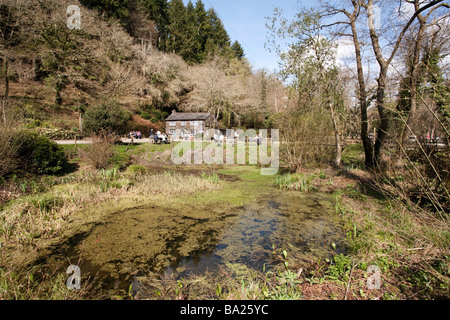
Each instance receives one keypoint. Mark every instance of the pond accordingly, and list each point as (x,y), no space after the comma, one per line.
(193,239)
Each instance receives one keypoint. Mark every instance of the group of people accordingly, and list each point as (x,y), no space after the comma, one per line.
(160,138)
(135,135)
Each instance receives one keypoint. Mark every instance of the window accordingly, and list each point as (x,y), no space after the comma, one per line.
(183,123)
(172,131)
(194,123)
(172,124)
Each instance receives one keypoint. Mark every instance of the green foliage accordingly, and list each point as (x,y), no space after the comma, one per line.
(106,117)
(136,170)
(298,182)
(113,9)
(340,268)
(46,203)
(48,157)
(353,156)
(238,50)
(214,178)
(35,154)
(158,12)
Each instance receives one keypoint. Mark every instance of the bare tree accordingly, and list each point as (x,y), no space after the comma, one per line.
(413,63)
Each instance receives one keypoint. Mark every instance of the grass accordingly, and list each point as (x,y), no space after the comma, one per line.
(411,250)
(298,181)
(353,156)
(36,220)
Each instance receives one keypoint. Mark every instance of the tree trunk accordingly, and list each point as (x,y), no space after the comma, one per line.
(58,89)
(6,92)
(337,136)
(384,120)
(381,89)
(413,82)
(367,143)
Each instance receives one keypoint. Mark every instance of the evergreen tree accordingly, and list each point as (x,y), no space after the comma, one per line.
(201,32)
(433,83)
(158,11)
(238,51)
(189,52)
(218,39)
(116,9)
(177,33)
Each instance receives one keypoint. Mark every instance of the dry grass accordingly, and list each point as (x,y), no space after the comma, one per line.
(45,215)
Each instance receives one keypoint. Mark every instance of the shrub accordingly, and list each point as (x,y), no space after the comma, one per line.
(48,157)
(119,160)
(30,152)
(101,151)
(106,117)
(8,151)
(136,170)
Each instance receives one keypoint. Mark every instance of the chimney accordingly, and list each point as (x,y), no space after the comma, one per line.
(174,111)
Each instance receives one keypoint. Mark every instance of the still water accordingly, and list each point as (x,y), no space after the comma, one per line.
(195,239)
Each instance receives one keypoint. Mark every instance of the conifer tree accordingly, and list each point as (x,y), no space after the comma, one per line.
(116,9)
(238,51)
(158,11)
(177,32)
(201,32)
(218,40)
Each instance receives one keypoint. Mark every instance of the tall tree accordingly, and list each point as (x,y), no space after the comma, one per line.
(414,69)
(116,9)
(201,32)
(189,50)
(218,40)
(177,32)
(310,64)
(384,61)
(158,11)
(238,51)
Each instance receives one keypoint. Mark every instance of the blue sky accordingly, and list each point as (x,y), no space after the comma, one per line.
(245,22)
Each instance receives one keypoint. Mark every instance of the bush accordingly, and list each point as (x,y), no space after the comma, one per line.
(101,153)
(48,157)
(106,118)
(30,152)
(8,150)
(119,160)
(136,170)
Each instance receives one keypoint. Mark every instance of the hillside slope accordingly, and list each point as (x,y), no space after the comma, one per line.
(50,74)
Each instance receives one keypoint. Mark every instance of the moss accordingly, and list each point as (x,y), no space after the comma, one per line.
(353,155)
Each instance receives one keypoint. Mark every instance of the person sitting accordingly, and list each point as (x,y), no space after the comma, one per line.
(158,137)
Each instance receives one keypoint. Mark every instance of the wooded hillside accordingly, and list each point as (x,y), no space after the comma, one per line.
(147,57)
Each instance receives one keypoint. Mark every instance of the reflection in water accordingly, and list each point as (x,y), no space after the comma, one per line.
(285,221)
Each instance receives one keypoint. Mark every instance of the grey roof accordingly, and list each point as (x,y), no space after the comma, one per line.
(183,116)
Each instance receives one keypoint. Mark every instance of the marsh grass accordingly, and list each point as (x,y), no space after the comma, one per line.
(223,285)
(38,283)
(297,181)
(412,250)
(44,215)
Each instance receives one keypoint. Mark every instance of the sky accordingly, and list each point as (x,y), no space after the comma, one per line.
(245,21)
